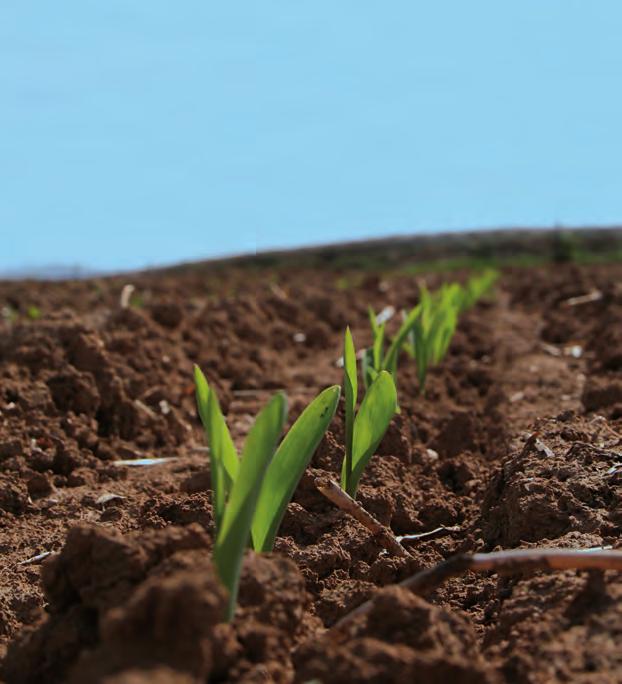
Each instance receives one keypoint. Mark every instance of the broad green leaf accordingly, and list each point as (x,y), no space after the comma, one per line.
(237,519)
(377,409)
(288,465)
(350,391)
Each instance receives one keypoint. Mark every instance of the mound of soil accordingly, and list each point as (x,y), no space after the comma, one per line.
(106,573)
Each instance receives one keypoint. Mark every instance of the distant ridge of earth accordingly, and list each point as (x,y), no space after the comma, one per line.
(472,244)
(50,272)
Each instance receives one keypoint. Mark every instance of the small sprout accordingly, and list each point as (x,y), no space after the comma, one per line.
(365,429)
(427,330)
(250,494)
(434,328)
(478,286)
(33,312)
(343,283)
(372,357)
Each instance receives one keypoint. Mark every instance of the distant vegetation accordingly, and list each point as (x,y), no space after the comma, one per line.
(442,252)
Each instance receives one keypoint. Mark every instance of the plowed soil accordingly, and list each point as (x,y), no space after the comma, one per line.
(105,572)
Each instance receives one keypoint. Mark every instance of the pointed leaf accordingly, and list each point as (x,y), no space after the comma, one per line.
(373,320)
(372,421)
(350,391)
(223,455)
(288,465)
(236,523)
(378,347)
(202,393)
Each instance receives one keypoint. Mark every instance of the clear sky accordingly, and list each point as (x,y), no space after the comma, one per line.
(146,132)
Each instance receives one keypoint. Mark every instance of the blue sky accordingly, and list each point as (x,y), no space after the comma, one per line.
(149,132)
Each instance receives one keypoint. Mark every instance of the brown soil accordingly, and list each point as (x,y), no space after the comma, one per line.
(515,442)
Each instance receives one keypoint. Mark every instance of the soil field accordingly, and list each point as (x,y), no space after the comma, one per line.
(105,571)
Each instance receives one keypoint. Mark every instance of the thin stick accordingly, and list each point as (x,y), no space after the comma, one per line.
(126,295)
(35,560)
(333,492)
(506,562)
(437,531)
(592,296)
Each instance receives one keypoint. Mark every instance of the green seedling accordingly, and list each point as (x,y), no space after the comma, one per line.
(251,493)
(33,312)
(434,327)
(364,430)
(427,330)
(375,359)
(372,358)
(478,286)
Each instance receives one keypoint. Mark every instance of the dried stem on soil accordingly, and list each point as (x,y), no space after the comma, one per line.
(503,562)
(126,295)
(333,492)
(593,296)
(437,531)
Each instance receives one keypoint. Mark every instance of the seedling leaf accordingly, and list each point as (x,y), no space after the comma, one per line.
(390,359)
(224,462)
(350,390)
(288,465)
(235,529)
(377,409)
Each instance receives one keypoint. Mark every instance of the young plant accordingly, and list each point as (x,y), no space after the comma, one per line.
(363,430)
(434,328)
(375,359)
(477,286)
(371,362)
(250,494)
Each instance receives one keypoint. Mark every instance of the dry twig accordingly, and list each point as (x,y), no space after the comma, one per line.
(333,492)
(126,295)
(436,532)
(592,296)
(504,562)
